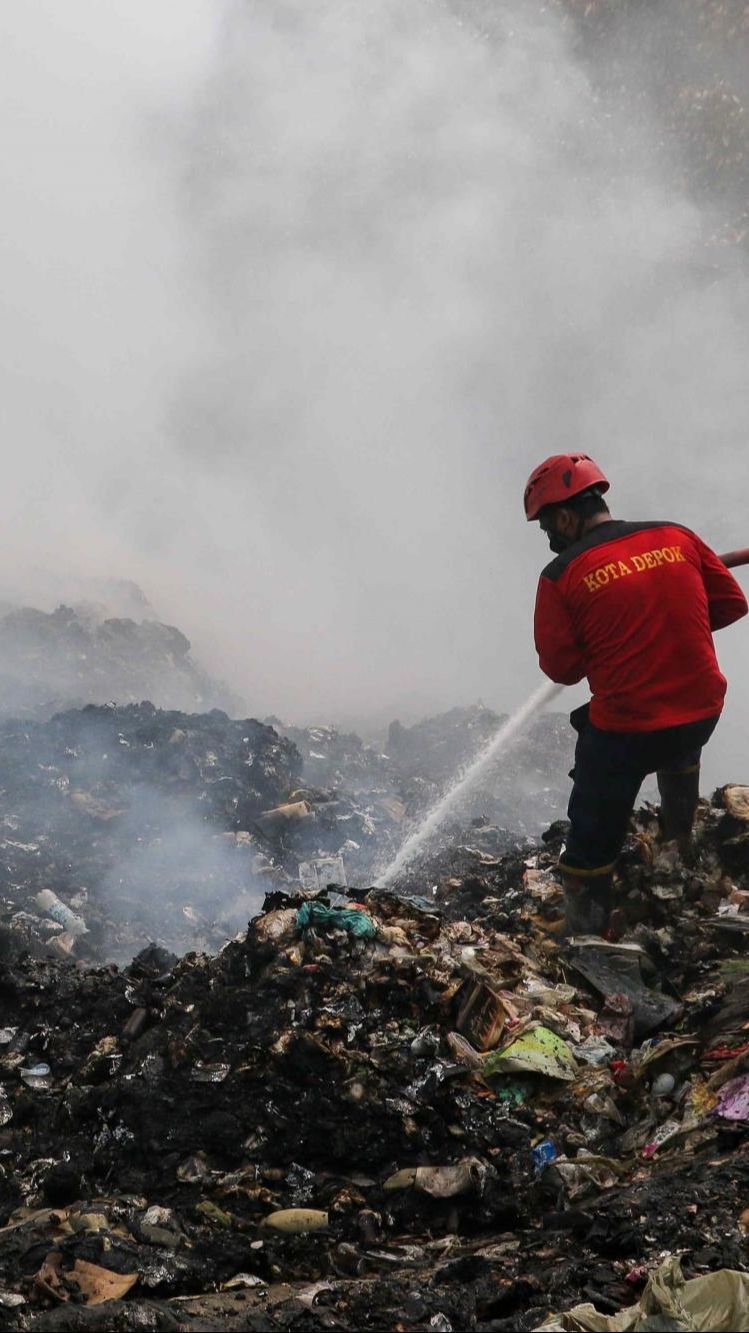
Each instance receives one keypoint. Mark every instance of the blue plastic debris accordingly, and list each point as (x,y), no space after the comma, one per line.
(543,1155)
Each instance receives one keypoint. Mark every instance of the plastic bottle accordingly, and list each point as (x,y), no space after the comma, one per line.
(49,903)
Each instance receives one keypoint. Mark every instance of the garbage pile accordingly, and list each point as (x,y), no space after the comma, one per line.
(122,825)
(413,1108)
(357,808)
(395,782)
(338,759)
(125,825)
(78,655)
(522,797)
(691,72)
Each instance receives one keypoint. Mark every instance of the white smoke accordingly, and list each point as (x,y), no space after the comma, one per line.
(298,293)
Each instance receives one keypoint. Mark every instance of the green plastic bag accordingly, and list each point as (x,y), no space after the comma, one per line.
(350,919)
(537,1051)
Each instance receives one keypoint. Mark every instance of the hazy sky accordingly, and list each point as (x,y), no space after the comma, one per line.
(295,294)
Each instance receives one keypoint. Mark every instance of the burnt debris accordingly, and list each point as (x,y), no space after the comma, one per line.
(415,1107)
(76,655)
(156,825)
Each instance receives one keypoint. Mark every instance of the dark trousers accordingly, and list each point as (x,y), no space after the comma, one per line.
(610,767)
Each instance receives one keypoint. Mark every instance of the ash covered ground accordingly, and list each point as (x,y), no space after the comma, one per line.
(410,1108)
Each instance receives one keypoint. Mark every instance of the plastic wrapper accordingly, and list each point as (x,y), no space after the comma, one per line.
(716,1303)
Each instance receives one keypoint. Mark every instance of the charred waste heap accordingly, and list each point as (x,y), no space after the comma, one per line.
(154,825)
(82,654)
(376,1108)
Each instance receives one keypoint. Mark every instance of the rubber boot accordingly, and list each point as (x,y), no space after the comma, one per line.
(680,794)
(587,904)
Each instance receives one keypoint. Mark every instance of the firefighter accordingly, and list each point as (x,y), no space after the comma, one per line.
(632,607)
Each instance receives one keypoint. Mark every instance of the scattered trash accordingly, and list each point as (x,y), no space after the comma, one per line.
(37,1076)
(614,971)
(424,1085)
(422,1092)
(733,1099)
(482,1015)
(322,871)
(663,1085)
(297,1221)
(202,1073)
(6,1109)
(49,903)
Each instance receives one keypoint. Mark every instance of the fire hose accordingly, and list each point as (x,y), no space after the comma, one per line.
(733,558)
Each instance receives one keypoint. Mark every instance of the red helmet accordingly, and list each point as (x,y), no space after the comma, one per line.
(559,478)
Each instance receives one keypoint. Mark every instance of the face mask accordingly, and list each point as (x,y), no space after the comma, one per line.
(558,543)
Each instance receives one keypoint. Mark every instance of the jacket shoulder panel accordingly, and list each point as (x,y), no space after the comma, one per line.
(601,535)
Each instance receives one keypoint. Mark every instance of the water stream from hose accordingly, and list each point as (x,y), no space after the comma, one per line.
(515,724)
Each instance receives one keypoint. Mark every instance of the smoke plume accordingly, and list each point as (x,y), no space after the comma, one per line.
(296,295)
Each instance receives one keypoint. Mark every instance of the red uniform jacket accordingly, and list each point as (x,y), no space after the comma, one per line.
(632,606)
